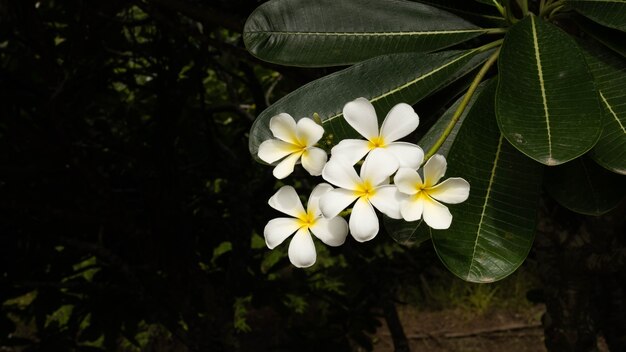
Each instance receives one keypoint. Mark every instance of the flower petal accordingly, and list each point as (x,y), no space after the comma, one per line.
(313,160)
(340,173)
(274,149)
(314,199)
(407,154)
(378,166)
(308,132)
(452,191)
(361,115)
(436,214)
(387,200)
(285,167)
(363,221)
(434,169)
(333,231)
(412,208)
(277,230)
(336,200)
(302,250)
(352,150)
(286,201)
(283,127)
(399,122)
(407,180)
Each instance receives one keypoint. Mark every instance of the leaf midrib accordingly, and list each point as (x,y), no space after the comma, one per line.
(542,86)
(369,34)
(605,101)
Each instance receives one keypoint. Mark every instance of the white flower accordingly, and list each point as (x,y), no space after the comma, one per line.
(332,231)
(371,188)
(293,141)
(423,195)
(399,122)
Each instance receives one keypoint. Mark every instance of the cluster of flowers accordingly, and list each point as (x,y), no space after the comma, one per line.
(411,196)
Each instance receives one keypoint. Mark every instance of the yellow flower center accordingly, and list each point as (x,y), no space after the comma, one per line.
(376,142)
(306,220)
(365,189)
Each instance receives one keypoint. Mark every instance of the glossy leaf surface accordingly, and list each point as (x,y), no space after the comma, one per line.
(546,107)
(611,13)
(385,81)
(491,232)
(329,33)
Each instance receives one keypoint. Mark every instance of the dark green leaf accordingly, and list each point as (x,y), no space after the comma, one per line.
(584,187)
(609,72)
(611,38)
(491,232)
(611,13)
(385,81)
(547,108)
(329,33)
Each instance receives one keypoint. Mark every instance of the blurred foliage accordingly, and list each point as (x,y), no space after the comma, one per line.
(131,213)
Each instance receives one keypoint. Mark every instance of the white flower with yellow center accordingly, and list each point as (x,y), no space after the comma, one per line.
(294,142)
(332,231)
(399,122)
(422,197)
(370,189)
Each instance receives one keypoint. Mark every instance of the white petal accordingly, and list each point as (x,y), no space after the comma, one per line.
(277,230)
(336,200)
(340,173)
(387,200)
(361,115)
(407,180)
(274,149)
(352,150)
(436,214)
(452,191)
(434,169)
(378,166)
(399,122)
(283,126)
(313,160)
(333,231)
(407,154)
(286,201)
(308,131)
(412,208)
(363,221)
(302,250)
(314,199)
(285,167)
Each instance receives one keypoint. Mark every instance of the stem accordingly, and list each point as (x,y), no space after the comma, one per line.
(499,7)
(459,111)
(523,4)
(550,6)
(495,30)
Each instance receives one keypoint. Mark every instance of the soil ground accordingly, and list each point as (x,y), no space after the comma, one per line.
(460,331)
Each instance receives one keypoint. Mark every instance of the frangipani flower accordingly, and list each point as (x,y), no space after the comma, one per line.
(399,122)
(423,196)
(370,189)
(293,142)
(332,231)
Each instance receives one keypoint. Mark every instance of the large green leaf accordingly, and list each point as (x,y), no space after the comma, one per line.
(491,232)
(385,81)
(329,32)
(609,72)
(611,13)
(584,187)
(415,232)
(546,103)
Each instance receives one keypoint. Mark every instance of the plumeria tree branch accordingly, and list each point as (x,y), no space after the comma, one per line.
(466,99)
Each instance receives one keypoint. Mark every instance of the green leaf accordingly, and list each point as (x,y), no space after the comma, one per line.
(548,108)
(330,33)
(611,13)
(492,232)
(416,232)
(385,81)
(609,72)
(584,187)
(611,38)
